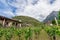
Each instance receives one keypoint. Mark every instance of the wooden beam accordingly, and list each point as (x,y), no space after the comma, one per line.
(20,25)
(4,22)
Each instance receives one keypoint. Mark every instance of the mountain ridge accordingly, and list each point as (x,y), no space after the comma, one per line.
(51,16)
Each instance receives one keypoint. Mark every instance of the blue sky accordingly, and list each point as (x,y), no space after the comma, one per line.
(38,9)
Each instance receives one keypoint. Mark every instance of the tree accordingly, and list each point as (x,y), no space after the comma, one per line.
(56,19)
(59,15)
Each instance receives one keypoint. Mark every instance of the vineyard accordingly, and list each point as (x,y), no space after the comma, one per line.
(35,31)
(30,33)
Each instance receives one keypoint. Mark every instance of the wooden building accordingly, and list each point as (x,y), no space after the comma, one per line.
(7,22)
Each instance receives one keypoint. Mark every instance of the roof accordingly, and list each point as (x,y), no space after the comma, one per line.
(15,20)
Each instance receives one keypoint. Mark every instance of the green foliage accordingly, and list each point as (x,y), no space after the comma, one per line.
(27,32)
(18,32)
(53,22)
(58,31)
(8,34)
(58,19)
(59,15)
(51,30)
(37,30)
(28,20)
(1,32)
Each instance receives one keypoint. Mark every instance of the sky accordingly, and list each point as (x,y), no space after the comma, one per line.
(38,9)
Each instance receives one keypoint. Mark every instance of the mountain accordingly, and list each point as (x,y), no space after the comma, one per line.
(51,16)
(28,20)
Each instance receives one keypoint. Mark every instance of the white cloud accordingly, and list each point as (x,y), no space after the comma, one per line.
(8,13)
(56,5)
(18,3)
(38,11)
(41,8)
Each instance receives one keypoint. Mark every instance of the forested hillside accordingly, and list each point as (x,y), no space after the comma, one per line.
(28,20)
